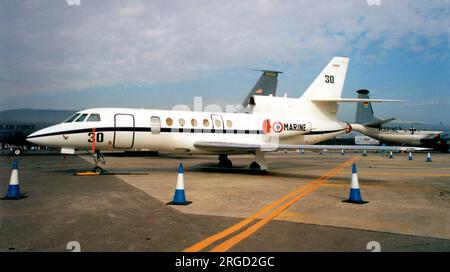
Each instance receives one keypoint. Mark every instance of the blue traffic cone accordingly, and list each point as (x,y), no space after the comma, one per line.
(179,198)
(410,156)
(429,157)
(13,187)
(364,153)
(355,193)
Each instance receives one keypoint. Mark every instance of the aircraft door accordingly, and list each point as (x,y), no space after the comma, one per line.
(124,131)
(155,124)
(217,121)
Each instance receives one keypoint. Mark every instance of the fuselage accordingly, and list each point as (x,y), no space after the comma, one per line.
(400,133)
(178,131)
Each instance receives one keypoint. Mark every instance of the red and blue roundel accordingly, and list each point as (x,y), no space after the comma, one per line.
(277,127)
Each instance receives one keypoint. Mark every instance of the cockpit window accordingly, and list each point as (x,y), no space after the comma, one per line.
(73,117)
(82,117)
(94,117)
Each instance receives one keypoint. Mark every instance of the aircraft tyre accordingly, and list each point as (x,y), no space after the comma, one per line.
(98,170)
(18,151)
(225,162)
(255,168)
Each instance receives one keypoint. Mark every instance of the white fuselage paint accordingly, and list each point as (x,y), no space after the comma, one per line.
(398,136)
(136,134)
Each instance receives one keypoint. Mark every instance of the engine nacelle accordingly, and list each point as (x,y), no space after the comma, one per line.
(264,104)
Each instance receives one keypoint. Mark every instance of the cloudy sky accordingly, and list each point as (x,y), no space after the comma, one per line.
(156,54)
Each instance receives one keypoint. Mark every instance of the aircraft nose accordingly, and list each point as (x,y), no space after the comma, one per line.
(42,137)
(32,135)
(36,138)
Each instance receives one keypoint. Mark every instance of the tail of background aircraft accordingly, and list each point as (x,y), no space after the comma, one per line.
(364,112)
(266,85)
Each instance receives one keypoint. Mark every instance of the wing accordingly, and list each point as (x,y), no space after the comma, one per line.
(227,147)
(356,100)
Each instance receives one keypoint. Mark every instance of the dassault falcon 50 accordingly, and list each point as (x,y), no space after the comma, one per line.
(271,124)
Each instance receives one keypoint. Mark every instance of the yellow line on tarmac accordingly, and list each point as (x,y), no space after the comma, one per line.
(297,194)
(86,174)
(334,185)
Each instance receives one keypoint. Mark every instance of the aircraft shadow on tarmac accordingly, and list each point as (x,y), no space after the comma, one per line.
(202,167)
(275,171)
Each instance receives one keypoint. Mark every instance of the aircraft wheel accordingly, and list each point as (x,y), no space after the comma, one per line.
(228,164)
(18,151)
(98,170)
(225,162)
(255,166)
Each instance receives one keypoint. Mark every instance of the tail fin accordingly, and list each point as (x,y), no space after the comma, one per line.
(364,112)
(266,85)
(330,82)
(321,97)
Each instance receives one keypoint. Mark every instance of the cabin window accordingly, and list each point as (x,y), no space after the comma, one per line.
(73,117)
(206,122)
(194,122)
(94,117)
(82,117)
(169,121)
(181,122)
(217,123)
(229,123)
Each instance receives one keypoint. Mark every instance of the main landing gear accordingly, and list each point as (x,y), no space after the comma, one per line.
(98,158)
(224,162)
(260,164)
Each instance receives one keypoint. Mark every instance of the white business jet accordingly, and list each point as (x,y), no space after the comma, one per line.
(272,123)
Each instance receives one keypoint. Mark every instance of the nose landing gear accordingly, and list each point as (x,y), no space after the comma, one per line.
(98,158)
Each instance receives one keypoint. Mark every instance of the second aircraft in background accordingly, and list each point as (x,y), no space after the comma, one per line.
(435,136)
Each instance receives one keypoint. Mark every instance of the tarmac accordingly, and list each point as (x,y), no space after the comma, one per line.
(296,206)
